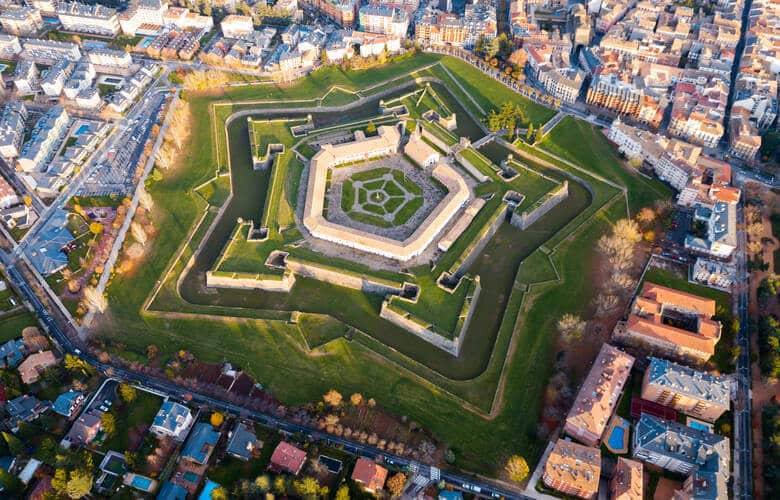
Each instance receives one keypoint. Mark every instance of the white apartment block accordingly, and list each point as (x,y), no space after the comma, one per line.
(186,20)
(384,19)
(26,77)
(81,79)
(45,137)
(21,21)
(12,119)
(9,45)
(142,12)
(49,51)
(54,80)
(110,58)
(234,26)
(90,19)
(562,83)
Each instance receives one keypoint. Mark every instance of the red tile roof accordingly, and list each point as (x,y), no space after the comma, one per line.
(287,457)
(370,474)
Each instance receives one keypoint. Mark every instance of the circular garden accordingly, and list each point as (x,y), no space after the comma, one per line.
(383,197)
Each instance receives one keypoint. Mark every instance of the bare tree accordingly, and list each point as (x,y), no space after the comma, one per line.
(138,233)
(145,199)
(605,304)
(571,327)
(95,301)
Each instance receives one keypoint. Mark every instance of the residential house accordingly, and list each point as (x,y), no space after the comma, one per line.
(68,403)
(598,395)
(200,443)
(690,391)
(84,429)
(12,353)
(370,475)
(172,420)
(573,469)
(33,367)
(287,458)
(25,408)
(242,442)
(172,491)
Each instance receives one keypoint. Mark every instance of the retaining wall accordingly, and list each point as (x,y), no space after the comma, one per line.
(471,169)
(525,219)
(335,277)
(247,282)
(498,218)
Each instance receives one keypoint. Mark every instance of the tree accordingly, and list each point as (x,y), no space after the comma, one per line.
(151,352)
(539,134)
(307,487)
(96,228)
(517,468)
(627,229)
(370,128)
(47,451)
(342,493)
(128,392)
(145,199)
(449,456)
(79,484)
(94,300)
(280,485)
(396,484)
(77,365)
(530,132)
(108,423)
(216,419)
(333,398)
(646,216)
(263,483)
(137,230)
(219,493)
(60,481)
(571,327)
(15,445)
(356,399)
(13,487)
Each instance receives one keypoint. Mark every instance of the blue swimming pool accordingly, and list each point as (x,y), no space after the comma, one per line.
(207,489)
(617,438)
(145,42)
(141,482)
(82,129)
(698,426)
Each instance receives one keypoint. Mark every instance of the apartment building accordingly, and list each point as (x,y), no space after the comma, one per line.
(714,274)
(44,139)
(573,469)
(21,21)
(26,77)
(49,51)
(627,482)
(82,78)
(9,45)
(235,26)
(744,139)
(109,58)
(702,456)
(92,19)
(342,12)
(184,19)
(142,13)
(437,28)
(54,80)
(12,119)
(610,91)
(676,323)
(598,395)
(696,393)
(384,19)
(719,238)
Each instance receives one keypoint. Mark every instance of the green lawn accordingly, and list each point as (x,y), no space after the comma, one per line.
(217,191)
(585,145)
(409,377)
(11,325)
(136,416)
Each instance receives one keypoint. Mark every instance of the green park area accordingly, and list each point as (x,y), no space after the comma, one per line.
(484,404)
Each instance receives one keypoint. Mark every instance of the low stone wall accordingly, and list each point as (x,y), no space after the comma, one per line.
(436,141)
(363,283)
(471,169)
(525,219)
(423,329)
(246,281)
(499,216)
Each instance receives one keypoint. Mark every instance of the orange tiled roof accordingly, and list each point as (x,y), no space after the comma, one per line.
(369,473)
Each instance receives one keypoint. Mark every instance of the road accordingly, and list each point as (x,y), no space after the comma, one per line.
(64,335)
(743,466)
